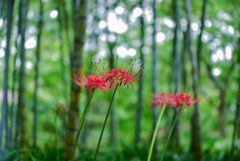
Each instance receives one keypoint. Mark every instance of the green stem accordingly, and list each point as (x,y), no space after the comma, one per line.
(170,133)
(46,149)
(105,121)
(31,155)
(155,133)
(81,123)
(49,140)
(57,139)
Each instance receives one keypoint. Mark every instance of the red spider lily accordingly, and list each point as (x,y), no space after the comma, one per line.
(184,100)
(180,99)
(119,75)
(92,82)
(164,99)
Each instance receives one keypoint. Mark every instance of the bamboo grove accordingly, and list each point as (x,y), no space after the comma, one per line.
(119,80)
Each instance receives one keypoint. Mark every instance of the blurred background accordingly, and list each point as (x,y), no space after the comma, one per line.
(185,46)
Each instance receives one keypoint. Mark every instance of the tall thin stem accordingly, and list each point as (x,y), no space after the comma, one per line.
(155,134)
(170,133)
(105,121)
(49,140)
(81,123)
(57,138)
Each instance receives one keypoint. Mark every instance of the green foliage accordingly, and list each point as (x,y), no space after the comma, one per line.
(51,86)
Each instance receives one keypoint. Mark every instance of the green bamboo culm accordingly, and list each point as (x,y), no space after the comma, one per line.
(105,121)
(81,123)
(170,133)
(155,133)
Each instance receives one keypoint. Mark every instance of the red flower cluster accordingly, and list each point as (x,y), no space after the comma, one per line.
(108,79)
(184,100)
(92,82)
(164,98)
(122,76)
(119,75)
(179,99)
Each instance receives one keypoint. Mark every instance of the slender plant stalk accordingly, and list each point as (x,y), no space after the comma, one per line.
(31,155)
(170,133)
(104,124)
(49,140)
(57,139)
(45,152)
(81,123)
(155,133)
